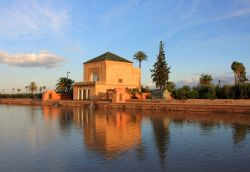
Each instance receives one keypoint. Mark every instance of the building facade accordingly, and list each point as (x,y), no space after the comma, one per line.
(104,74)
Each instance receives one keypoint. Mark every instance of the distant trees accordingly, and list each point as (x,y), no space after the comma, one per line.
(42,88)
(160,71)
(239,72)
(64,85)
(32,87)
(26,88)
(206,79)
(140,56)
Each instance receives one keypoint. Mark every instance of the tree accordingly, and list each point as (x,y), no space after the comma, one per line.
(18,90)
(170,86)
(160,71)
(140,56)
(26,87)
(33,87)
(239,72)
(206,79)
(41,89)
(64,85)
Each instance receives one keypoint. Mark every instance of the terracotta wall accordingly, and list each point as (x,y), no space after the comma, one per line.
(51,95)
(112,71)
(120,95)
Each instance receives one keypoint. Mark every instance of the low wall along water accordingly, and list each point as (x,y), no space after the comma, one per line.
(191,105)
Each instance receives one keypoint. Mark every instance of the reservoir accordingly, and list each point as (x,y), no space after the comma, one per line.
(35,138)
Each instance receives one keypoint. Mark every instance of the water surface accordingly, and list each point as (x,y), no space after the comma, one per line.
(77,139)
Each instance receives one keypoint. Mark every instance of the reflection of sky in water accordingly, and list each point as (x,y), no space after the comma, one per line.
(76,139)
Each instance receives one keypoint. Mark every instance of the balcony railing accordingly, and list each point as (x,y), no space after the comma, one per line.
(89,83)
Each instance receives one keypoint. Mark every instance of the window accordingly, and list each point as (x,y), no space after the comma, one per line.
(120,97)
(94,77)
(120,80)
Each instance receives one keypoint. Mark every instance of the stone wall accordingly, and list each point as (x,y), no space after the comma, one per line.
(229,106)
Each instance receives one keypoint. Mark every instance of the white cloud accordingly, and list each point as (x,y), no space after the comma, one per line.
(42,59)
(32,19)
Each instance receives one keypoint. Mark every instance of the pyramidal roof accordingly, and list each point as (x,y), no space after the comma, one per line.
(108,56)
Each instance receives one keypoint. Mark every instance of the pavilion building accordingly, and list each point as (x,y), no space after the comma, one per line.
(104,74)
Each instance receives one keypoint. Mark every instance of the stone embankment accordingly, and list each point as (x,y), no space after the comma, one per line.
(191,105)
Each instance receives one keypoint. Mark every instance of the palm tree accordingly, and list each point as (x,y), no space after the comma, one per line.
(26,87)
(44,88)
(41,89)
(32,87)
(64,85)
(206,79)
(239,72)
(18,90)
(140,56)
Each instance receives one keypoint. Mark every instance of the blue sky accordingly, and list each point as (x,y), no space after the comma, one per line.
(41,40)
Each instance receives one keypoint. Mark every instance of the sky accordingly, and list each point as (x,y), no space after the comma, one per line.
(41,40)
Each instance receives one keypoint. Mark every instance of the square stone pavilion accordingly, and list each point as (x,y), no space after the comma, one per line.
(104,74)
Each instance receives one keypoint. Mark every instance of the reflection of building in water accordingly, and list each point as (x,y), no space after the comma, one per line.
(109,132)
(50,113)
(63,116)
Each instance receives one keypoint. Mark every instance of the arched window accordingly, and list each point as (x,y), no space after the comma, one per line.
(94,76)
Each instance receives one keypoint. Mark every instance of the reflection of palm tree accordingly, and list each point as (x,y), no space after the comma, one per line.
(240,132)
(161,134)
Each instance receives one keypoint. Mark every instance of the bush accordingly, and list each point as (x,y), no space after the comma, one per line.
(207,92)
(145,89)
(20,96)
(240,91)
(186,93)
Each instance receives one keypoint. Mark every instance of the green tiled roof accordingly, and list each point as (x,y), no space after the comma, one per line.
(108,56)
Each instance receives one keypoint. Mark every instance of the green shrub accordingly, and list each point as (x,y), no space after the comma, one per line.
(207,92)
(241,91)
(186,93)
(20,96)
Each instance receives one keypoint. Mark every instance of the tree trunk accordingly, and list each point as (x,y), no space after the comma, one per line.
(235,78)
